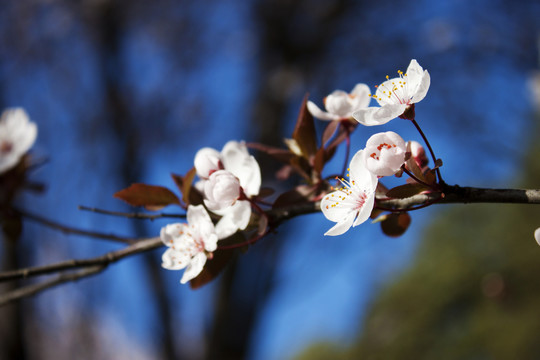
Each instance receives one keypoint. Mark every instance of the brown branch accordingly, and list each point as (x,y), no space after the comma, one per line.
(92,266)
(132,215)
(104,260)
(33,289)
(71,230)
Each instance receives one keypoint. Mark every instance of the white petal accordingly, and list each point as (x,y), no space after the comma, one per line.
(342,226)
(319,114)
(378,116)
(194,268)
(361,94)
(335,213)
(210,242)
(366,210)
(362,177)
(338,103)
(199,217)
(537,235)
(171,233)
(237,160)
(207,160)
(423,88)
(175,260)
(234,218)
(414,76)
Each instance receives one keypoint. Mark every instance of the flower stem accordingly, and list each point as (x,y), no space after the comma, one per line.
(439,177)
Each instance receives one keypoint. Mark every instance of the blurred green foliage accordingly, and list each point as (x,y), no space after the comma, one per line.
(472,292)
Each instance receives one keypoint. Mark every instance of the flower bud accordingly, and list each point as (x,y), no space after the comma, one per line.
(385,153)
(418,153)
(207,160)
(221,190)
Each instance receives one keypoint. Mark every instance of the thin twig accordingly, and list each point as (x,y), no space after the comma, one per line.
(411,175)
(71,230)
(429,148)
(106,259)
(33,289)
(132,215)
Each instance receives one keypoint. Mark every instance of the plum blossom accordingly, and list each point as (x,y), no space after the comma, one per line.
(352,204)
(221,190)
(396,96)
(17,135)
(341,105)
(385,153)
(191,244)
(228,180)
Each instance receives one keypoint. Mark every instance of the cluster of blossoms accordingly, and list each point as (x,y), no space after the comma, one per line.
(384,154)
(17,135)
(228,180)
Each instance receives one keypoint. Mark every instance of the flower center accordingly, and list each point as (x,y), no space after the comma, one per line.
(352,197)
(379,148)
(395,90)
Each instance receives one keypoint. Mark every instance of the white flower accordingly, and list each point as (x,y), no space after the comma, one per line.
(17,135)
(396,95)
(341,105)
(221,190)
(223,196)
(385,153)
(207,160)
(352,204)
(537,235)
(189,244)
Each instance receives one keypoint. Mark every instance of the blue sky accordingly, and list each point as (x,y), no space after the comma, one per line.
(476,115)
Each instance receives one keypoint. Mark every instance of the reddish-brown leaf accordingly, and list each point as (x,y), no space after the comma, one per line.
(329,131)
(150,196)
(212,268)
(304,131)
(283,155)
(396,224)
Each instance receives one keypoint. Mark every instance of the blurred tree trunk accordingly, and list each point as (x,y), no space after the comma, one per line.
(287,54)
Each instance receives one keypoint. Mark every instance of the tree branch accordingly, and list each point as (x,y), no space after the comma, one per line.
(71,230)
(33,289)
(133,215)
(452,194)
(104,260)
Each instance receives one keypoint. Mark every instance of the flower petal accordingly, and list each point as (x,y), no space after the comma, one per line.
(361,96)
(342,226)
(414,76)
(207,160)
(237,160)
(422,89)
(365,212)
(233,219)
(175,260)
(378,116)
(362,177)
(319,114)
(194,268)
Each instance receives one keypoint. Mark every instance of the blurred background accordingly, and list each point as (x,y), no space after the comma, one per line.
(127,91)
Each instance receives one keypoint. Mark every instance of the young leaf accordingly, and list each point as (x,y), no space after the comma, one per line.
(299,194)
(212,268)
(151,197)
(407,190)
(396,224)
(304,131)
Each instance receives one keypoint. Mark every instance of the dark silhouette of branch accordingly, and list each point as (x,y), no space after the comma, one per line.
(104,260)
(132,215)
(452,195)
(71,230)
(33,289)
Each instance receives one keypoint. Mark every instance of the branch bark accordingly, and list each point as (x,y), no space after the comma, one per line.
(452,195)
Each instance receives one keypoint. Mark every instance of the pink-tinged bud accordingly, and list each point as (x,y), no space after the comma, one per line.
(418,153)
(207,161)
(221,190)
(385,153)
